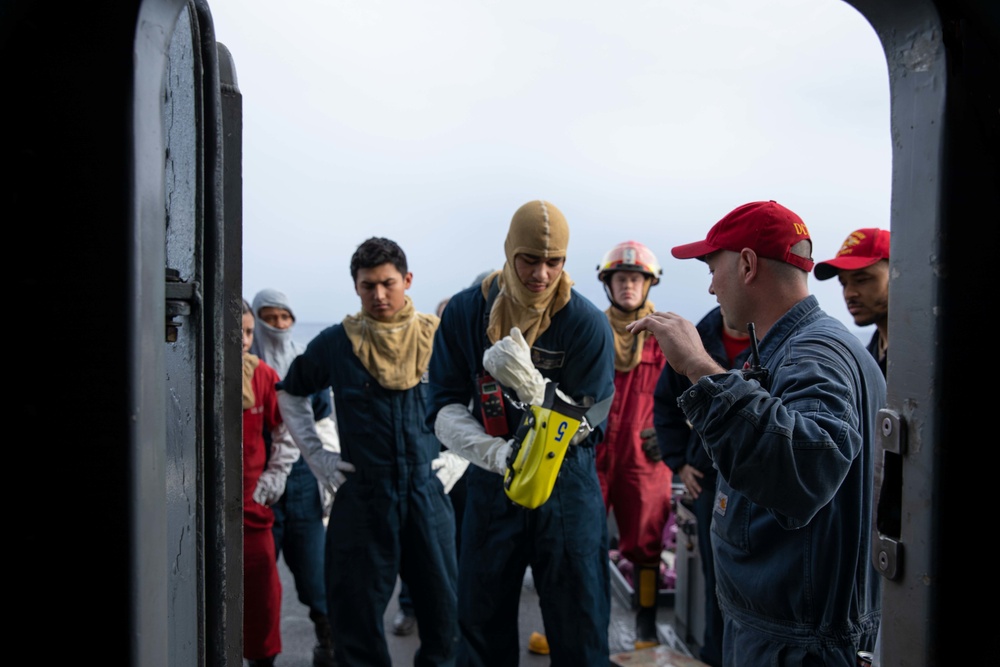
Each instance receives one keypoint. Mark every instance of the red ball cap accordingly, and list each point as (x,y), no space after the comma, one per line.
(766,227)
(861,249)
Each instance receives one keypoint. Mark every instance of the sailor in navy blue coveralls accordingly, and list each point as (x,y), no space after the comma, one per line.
(391,515)
(565,540)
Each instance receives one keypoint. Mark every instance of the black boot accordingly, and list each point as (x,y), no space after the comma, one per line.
(645,628)
(645,618)
(263,662)
(323,651)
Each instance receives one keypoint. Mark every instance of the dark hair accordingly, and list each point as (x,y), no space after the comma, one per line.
(246,308)
(377,251)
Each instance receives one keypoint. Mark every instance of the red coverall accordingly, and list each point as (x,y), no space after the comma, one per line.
(261,582)
(635,488)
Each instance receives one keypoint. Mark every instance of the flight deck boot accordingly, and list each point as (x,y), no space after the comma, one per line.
(323,651)
(645,618)
(538,644)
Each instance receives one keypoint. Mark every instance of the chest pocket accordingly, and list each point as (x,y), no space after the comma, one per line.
(355,409)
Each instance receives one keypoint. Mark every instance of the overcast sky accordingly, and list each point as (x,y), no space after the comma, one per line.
(430,123)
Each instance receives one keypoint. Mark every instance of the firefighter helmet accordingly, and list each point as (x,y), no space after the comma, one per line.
(629,256)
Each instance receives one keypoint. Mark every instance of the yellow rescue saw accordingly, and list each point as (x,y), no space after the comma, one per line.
(545,433)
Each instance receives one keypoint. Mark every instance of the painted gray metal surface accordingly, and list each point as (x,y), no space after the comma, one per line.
(151,584)
(224,240)
(944,81)
(184,441)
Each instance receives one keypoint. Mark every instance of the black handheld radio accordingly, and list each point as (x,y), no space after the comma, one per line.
(755,370)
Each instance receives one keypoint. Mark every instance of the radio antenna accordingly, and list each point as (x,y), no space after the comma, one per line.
(756,371)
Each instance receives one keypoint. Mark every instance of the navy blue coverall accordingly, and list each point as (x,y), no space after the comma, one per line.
(390,517)
(679,446)
(565,541)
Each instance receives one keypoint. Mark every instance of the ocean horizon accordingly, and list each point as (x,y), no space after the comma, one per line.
(303,332)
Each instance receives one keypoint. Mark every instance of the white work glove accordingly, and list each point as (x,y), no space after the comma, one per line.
(326,429)
(459,431)
(449,468)
(284,453)
(270,487)
(336,466)
(509,362)
(327,466)
(326,498)
(497,455)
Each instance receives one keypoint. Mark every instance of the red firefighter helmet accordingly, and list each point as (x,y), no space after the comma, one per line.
(629,256)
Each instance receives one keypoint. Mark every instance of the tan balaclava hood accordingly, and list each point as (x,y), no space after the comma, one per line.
(538,228)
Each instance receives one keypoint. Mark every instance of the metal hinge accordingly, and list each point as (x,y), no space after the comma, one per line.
(180,298)
(887,548)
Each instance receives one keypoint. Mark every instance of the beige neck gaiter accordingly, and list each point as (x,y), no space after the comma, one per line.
(396,353)
(628,346)
(250,363)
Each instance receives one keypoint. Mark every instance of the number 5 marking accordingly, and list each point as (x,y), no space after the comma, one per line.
(561,431)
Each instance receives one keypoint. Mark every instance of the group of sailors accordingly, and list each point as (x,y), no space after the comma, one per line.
(769,426)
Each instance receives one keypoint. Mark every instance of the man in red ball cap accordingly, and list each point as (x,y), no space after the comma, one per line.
(792,436)
(862,266)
